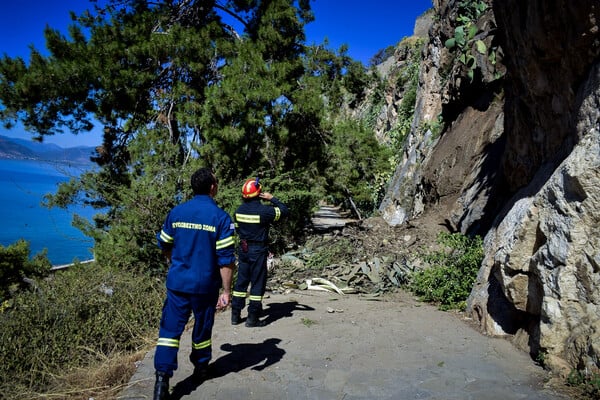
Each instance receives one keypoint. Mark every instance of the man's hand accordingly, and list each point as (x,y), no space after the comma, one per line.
(224,300)
(167,255)
(265,196)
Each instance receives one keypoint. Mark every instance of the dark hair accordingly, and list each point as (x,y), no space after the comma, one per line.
(202,180)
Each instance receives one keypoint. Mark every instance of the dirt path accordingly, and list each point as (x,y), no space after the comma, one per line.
(319,345)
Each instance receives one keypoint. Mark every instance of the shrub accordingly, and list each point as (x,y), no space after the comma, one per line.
(76,318)
(589,383)
(451,273)
(16,269)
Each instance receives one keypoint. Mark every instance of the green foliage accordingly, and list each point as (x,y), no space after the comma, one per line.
(75,318)
(358,160)
(177,88)
(451,273)
(324,254)
(376,103)
(302,201)
(16,266)
(158,182)
(463,41)
(355,81)
(540,358)
(435,126)
(292,190)
(409,81)
(588,383)
(382,55)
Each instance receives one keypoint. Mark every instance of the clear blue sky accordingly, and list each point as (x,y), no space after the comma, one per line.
(365,27)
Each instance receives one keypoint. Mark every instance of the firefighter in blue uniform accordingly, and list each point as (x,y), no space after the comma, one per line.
(197,238)
(253,220)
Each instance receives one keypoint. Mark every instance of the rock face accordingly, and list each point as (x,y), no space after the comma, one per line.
(454,172)
(516,159)
(540,279)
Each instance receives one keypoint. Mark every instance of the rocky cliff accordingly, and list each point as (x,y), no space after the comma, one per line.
(505,143)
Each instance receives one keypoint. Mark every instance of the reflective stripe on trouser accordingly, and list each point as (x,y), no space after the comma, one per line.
(175,315)
(252,271)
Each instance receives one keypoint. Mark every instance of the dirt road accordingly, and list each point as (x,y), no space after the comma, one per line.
(321,345)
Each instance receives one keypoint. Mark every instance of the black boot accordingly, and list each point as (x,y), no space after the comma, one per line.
(161,387)
(201,373)
(253,322)
(236,317)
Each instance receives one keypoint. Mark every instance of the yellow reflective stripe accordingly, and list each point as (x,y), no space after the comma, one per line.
(277,213)
(229,241)
(168,342)
(248,218)
(165,238)
(255,298)
(202,345)
(239,294)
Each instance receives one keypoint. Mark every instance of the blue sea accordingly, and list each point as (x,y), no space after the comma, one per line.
(24,183)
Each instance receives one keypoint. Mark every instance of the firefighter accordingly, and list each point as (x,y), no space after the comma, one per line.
(198,240)
(253,220)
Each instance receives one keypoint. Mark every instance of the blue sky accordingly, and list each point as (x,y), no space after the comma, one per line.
(365,27)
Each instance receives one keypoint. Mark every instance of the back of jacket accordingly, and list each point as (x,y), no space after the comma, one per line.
(200,236)
(253,219)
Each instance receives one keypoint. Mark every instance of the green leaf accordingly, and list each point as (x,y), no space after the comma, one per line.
(481,47)
(450,43)
(459,35)
(472,31)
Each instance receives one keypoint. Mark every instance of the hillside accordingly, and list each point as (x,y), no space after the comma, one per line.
(11,148)
(504,144)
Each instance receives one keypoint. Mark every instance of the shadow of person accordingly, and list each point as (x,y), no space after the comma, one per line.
(186,387)
(256,356)
(276,311)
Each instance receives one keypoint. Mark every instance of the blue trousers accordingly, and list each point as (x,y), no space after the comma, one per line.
(176,312)
(252,270)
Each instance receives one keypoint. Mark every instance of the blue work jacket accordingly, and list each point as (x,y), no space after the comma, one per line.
(201,237)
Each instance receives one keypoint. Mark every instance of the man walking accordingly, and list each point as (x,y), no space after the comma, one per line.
(197,238)
(253,220)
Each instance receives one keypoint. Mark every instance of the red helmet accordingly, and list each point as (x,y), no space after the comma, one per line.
(251,188)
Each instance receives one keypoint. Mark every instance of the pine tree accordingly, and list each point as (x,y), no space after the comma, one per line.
(182,84)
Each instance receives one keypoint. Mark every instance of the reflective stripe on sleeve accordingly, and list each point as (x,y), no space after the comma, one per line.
(165,238)
(277,214)
(221,244)
(247,218)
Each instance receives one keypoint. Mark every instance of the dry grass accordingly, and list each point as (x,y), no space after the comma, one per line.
(102,381)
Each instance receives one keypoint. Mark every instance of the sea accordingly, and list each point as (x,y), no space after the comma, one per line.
(24,184)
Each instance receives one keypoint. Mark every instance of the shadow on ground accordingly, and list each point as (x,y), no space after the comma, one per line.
(255,356)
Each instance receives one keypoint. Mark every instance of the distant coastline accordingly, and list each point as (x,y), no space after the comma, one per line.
(20,149)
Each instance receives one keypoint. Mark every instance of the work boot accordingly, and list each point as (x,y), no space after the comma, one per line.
(201,373)
(253,322)
(236,317)
(161,387)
